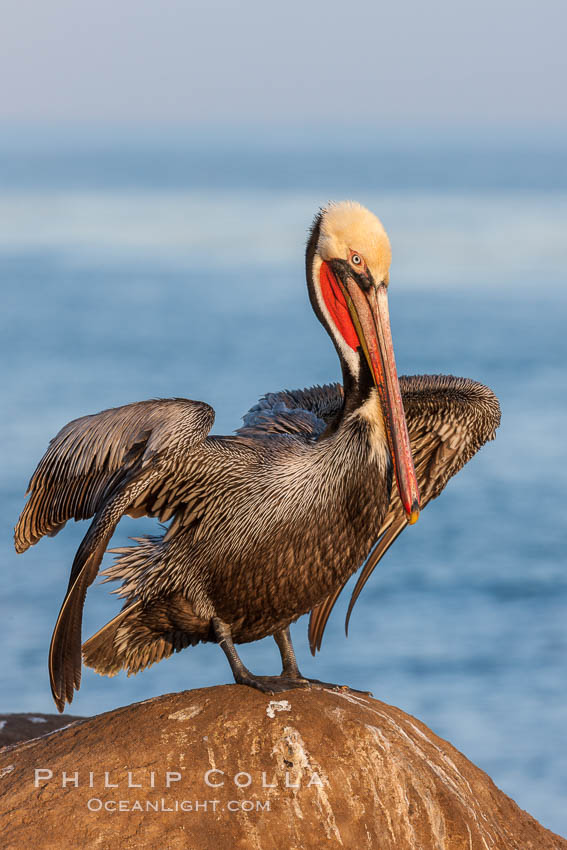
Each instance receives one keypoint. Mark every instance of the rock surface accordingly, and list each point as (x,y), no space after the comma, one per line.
(20,727)
(229,768)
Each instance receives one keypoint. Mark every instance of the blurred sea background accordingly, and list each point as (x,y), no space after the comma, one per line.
(141,268)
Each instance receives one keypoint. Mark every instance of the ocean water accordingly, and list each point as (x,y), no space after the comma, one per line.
(131,274)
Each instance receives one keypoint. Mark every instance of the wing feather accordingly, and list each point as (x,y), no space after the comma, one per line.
(93,456)
(304,413)
(103,466)
(449,419)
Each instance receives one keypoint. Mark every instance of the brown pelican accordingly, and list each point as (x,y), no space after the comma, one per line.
(268,524)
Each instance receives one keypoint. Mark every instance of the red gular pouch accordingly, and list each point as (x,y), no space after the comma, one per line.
(336,305)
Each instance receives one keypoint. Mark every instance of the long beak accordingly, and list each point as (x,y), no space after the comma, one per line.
(369,313)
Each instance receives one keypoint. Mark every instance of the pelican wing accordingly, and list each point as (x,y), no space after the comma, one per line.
(94,456)
(448,420)
(299,412)
(125,460)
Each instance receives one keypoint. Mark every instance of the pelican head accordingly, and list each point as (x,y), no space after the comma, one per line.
(348,267)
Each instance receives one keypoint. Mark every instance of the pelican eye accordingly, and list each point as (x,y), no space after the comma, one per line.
(356,260)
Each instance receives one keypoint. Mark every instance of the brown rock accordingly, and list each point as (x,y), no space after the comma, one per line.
(21,727)
(304,769)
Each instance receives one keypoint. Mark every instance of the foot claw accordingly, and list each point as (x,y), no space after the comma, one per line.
(334,687)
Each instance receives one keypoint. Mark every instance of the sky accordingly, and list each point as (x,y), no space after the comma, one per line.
(340,67)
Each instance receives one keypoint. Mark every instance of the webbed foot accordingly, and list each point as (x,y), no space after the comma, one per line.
(272,684)
(317,683)
(279,684)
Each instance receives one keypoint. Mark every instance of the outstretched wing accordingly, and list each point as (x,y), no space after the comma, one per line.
(299,412)
(93,456)
(448,420)
(125,460)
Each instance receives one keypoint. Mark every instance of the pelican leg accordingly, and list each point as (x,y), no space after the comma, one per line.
(243,676)
(290,670)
